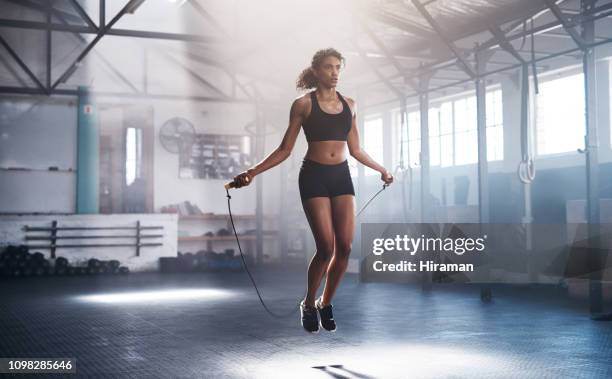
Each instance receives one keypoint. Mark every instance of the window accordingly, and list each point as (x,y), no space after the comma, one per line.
(414,136)
(495,126)
(434,137)
(373,141)
(453,132)
(408,139)
(445,114)
(133,155)
(560,120)
(466,135)
(400,135)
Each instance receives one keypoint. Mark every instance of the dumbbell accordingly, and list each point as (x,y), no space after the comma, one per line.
(93,263)
(114,264)
(61,262)
(104,267)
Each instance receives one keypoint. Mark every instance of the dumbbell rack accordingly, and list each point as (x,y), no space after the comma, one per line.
(54,237)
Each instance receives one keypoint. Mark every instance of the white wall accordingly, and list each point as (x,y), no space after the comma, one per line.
(37,133)
(208,194)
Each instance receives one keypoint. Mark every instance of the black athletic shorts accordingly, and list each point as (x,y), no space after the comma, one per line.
(325,180)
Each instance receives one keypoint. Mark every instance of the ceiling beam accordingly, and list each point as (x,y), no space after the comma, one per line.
(386,53)
(83,14)
(597,13)
(72,68)
(114,32)
(43,9)
(401,24)
(22,64)
(464,64)
(10,69)
(554,8)
(121,95)
(504,44)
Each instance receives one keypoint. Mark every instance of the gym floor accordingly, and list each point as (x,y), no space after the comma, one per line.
(212,326)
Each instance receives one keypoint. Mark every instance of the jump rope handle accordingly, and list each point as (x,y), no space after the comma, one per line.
(233,184)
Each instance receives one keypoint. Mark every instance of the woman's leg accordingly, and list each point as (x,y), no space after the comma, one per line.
(343,219)
(319,214)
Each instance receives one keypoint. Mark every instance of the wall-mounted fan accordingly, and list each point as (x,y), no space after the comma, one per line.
(177,135)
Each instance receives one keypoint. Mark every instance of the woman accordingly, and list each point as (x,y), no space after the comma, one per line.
(326,189)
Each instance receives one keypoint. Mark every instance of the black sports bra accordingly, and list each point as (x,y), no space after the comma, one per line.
(322,126)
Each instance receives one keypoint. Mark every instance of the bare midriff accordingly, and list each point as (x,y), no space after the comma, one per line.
(326,152)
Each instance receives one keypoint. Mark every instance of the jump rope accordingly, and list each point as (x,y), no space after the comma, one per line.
(229,208)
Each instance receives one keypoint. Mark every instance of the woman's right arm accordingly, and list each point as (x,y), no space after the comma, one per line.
(282,152)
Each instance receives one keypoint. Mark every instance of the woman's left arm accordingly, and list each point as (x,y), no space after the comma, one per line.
(360,154)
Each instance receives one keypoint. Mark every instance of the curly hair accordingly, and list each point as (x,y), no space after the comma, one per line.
(307,79)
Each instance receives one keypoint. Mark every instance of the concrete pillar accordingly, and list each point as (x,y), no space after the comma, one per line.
(88,154)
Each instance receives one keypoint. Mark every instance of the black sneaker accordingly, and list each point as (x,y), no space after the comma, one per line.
(327,317)
(310,320)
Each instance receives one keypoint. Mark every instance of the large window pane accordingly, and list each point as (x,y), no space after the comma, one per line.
(434,151)
(446,145)
(560,121)
(461,119)
(453,131)
(495,144)
(133,155)
(434,122)
(411,138)
(465,127)
(415,152)
(434,136)
(494,108)
(446,118)
(400,136)
(467,148)
(446,134)
(471,113)
(414,125)
(495,131)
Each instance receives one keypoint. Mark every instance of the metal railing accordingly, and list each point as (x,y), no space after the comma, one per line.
(53,236)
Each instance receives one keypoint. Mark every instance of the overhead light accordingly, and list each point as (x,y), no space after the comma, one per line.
(133,5)
(175,295)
